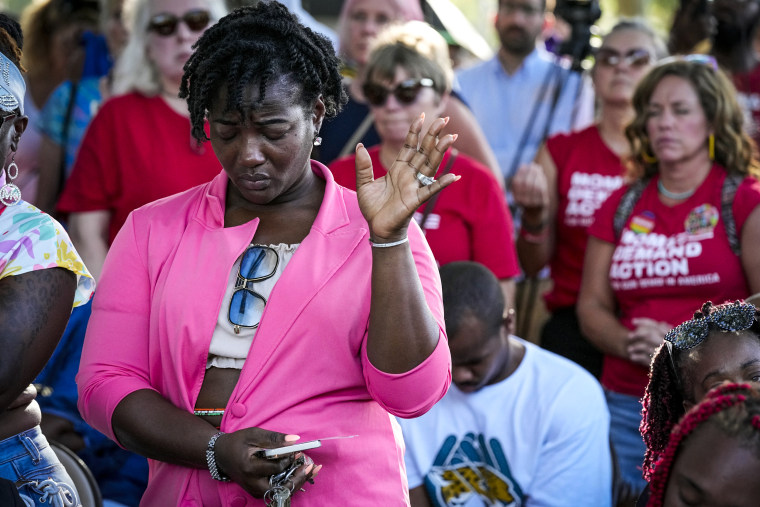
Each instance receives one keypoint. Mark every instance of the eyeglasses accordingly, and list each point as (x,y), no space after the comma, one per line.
(734,317)
(165,24)
(246,305)
(405,92)
(633,58)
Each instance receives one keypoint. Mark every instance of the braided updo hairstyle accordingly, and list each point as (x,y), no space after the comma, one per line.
(665,394)
(733,408)
(259,45)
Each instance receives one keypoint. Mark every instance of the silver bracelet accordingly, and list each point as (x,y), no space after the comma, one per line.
(211,460)
(388,245)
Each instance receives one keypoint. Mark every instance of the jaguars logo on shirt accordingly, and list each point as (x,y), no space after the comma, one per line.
(474,470)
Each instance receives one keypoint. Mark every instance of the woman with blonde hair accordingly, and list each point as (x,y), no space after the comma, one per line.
(408,73)
(139,147)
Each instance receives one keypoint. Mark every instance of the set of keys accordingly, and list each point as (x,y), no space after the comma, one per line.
(279,493)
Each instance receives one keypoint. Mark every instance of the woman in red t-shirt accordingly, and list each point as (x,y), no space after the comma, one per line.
(409,73)
(138,147)
(672,249)
(359,24)
(572,176)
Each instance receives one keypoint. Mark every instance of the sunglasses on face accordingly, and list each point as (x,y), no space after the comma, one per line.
(633,58)
(247,305)
(165,24)
(6,116)
(405,92)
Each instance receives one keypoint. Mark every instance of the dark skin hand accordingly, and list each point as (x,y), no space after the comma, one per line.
(62,431)
(139,423)
(399,316)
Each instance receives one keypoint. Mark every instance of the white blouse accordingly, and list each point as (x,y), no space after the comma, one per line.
(228,349)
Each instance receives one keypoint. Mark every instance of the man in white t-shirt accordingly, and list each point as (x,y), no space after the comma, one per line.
(520,426)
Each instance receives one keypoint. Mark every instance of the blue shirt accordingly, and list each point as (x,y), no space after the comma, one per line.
(53,115)
(121,475)
(504,104)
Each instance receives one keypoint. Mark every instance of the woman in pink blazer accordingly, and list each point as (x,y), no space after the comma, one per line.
(271,305)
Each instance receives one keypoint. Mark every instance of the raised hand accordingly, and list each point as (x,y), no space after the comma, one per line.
(388,203)
(237,454)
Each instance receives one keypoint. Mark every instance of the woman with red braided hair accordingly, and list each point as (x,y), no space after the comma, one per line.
(713,455)
(720,344)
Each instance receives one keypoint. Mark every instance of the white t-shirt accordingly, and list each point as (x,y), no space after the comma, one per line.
(538,438)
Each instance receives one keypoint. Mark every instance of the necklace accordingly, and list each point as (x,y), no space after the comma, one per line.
(673,195)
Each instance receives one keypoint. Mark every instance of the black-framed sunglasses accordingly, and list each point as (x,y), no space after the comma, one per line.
(7,116)
(633,58)
(246,305)
(165,23)
(405,92)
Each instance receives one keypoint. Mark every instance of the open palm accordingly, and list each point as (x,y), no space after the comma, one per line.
(388,203)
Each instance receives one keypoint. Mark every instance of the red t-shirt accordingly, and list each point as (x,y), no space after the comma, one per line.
(587,172)
(136,150)
(748,94)
(470,220)
(670,260)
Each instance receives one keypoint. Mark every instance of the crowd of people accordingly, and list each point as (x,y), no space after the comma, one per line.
(248,259)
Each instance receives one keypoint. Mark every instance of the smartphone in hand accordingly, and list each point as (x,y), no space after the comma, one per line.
(289,449)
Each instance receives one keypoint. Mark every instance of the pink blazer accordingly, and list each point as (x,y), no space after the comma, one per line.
(307,371)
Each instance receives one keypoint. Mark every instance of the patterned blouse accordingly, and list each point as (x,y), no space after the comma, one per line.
(31,240)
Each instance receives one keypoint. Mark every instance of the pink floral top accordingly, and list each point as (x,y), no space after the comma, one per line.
(31,240)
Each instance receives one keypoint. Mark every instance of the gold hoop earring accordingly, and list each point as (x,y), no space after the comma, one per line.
(711,146)
(649,159)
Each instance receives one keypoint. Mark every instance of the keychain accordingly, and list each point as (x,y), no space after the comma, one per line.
(278,494)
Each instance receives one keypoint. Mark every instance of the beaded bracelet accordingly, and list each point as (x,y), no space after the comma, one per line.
(388,245)
(216,473)
(208,411)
